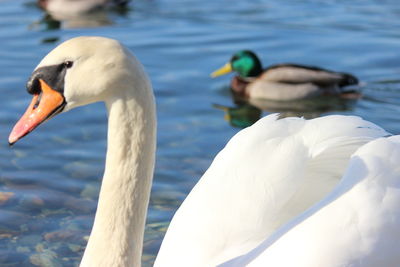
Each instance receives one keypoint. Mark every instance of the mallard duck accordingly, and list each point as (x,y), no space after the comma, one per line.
(283,82)
(77,7)
(79,13)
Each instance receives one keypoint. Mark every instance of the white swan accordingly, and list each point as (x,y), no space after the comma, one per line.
(356,225)
(266,175)
(90,69)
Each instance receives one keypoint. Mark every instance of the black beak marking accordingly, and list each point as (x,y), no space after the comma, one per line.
(53,75)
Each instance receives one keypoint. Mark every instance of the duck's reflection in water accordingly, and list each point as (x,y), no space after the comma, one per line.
(245,112)
(240,116)
(93,19)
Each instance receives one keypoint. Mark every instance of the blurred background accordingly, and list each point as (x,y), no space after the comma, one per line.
(49,182)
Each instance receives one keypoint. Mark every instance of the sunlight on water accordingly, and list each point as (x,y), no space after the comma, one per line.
(49,182)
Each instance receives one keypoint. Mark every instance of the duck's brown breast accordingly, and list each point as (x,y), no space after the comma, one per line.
(239,85)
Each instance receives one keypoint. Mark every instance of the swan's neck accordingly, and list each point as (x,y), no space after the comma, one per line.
(117,234)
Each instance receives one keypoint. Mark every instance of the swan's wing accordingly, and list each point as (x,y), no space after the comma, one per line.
(267,174)
(295,74)
(358,224)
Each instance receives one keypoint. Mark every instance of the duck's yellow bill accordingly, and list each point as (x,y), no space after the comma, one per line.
(224,70)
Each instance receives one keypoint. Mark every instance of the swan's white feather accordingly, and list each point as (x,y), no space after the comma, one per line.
(267,174)
(356,225)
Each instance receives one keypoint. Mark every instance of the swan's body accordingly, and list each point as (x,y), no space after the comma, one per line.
(284,82)
(356,225)
(91,69)
(267,174)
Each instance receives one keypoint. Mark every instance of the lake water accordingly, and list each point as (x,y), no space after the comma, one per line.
(49,181)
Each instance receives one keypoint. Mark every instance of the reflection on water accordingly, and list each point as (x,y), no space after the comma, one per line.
(67,21)
(247,111)
(241,116)
(307,108)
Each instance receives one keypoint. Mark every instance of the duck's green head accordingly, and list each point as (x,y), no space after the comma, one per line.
(244,62)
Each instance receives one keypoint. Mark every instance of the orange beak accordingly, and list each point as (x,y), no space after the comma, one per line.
(44,105)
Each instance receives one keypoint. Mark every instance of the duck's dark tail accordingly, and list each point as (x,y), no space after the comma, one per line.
(120,3)
(348,79)
(349,92)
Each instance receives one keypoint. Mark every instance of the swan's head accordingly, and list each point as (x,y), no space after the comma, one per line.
(79,71)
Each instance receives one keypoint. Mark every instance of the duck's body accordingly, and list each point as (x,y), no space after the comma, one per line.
(77,7)
(288,82)
(356,225)
(266,175)
(283,82)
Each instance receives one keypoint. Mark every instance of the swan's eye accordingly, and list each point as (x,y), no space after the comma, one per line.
(68,64)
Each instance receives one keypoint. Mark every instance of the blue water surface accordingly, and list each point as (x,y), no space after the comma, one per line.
(49,181)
